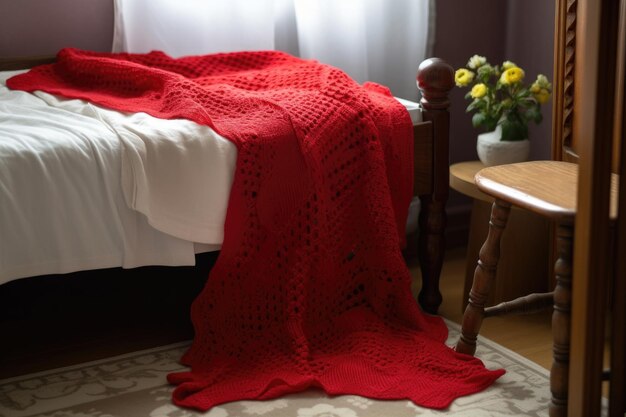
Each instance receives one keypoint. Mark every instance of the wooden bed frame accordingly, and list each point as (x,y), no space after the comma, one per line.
(435,79)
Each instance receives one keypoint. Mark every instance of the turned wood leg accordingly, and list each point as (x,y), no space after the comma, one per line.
(432,246)
(561,318)
(484,274)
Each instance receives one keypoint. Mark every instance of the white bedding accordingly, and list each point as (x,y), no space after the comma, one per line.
(82,187)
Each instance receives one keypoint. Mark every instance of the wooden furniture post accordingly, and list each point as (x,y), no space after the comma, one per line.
(435,79)
(596,51)
(588,123)
(525,265)
(563,146)
(484,276)
(561,321)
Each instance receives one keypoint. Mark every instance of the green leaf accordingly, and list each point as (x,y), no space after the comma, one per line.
(478,119)
(476,104)
(490,123)
(534,113)
(514,129)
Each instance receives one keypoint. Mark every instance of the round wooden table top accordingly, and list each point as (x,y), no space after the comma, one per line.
(462,179)
(545,187)
(548,188)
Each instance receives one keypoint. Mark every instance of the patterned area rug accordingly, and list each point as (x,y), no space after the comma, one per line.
(134,385)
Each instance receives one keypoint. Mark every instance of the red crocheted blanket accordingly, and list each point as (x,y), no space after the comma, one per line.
(310,287)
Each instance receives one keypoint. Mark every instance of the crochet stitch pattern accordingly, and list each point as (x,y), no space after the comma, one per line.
(310,288)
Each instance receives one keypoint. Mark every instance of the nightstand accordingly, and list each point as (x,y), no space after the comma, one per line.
(524,266)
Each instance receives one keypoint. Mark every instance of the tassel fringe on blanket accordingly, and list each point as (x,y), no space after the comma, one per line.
(310,288)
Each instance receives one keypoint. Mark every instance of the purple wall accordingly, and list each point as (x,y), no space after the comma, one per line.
(518,30)
(465,28)
(530,44)
(42,27)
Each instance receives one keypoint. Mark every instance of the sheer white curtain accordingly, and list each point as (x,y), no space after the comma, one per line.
(372,40)
(191,27)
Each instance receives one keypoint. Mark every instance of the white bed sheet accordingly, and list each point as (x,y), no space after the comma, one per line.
(83,187)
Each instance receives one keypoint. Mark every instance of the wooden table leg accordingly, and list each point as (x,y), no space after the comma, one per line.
(484,275)
(561,320)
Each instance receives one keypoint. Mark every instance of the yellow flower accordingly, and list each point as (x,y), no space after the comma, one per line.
(508,64)
(463,77)
(542,81)
(499,93)
(512,75)
(476,62)
(479,90)
(542,96)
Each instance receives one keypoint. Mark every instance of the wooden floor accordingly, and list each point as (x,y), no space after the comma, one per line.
(530,335)
(38,340)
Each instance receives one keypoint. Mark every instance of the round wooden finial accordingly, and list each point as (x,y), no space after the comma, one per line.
(435,79)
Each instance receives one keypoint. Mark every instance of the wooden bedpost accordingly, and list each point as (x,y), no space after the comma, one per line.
(435,79)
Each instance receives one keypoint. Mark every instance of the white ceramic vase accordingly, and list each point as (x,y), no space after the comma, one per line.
(493,151)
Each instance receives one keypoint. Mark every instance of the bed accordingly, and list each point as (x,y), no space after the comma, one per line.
(98,228)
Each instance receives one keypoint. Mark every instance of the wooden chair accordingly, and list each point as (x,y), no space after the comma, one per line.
(548,188)
(588,132)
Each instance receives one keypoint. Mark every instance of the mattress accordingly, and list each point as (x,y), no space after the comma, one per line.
(83,187)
